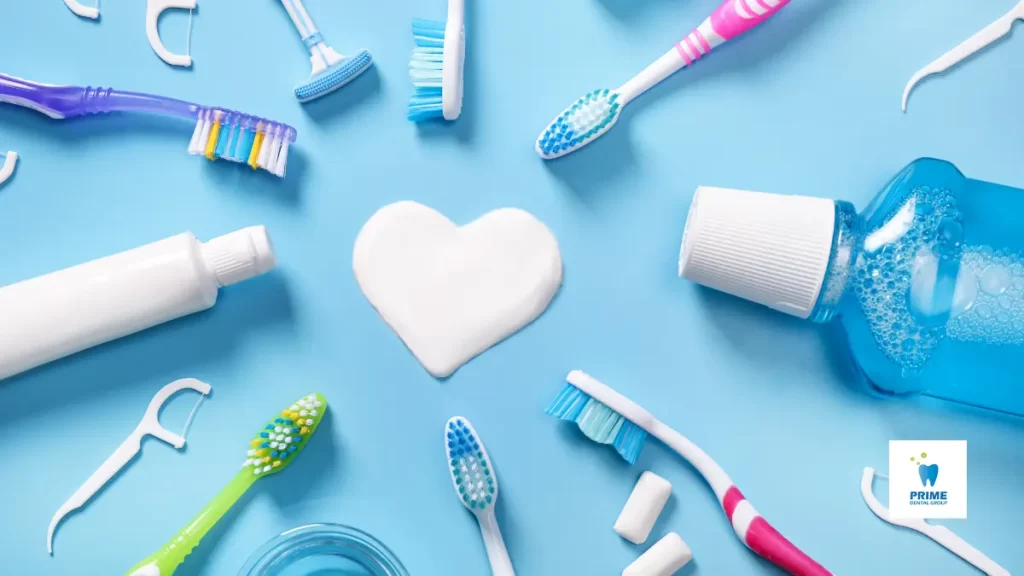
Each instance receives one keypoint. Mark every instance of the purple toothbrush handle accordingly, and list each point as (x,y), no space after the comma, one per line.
(69,101)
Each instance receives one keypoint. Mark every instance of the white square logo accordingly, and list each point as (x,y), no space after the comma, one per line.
(928,478)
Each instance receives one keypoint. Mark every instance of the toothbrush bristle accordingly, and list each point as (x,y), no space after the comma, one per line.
(470,467)
(580,124)
(285,436)
(241,138)
(425,70)
(599,422)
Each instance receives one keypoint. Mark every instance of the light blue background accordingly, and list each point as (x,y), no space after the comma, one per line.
(808,104)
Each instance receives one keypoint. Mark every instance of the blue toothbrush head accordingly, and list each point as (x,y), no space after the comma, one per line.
(436,71)
(470,467)
(334,77)
(599,422)
(426,70)
(580,124)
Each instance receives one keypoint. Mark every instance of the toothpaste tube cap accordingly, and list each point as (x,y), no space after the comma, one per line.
(240,255)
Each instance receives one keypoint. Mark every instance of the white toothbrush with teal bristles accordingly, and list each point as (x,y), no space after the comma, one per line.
(436,66)
(596,112)
(476,484)
(275,447)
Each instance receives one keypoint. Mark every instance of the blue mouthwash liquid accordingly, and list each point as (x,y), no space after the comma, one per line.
(928,281)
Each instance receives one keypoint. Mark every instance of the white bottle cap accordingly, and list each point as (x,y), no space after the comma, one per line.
(767,248)
(643,508)
(665,558)
(240,255)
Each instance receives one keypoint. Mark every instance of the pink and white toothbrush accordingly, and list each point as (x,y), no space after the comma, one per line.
(607,417)
(596,112)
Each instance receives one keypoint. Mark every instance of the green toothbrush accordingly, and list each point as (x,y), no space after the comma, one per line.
(273,449)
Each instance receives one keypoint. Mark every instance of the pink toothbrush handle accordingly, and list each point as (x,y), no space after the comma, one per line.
(732,18)
(762,538)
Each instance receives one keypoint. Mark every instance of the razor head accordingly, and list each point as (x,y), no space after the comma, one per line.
(334,77)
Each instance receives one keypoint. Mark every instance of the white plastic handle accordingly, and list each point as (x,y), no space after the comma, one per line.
(457,11)
(300,26)
(497,553)
(301,10)
(113,464)
(961,548)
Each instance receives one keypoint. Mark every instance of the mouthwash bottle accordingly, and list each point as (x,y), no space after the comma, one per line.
(928,281)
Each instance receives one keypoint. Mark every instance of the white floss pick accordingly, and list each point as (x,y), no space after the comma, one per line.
(82,10)
(7,168)
(154,8)
(665,558)
(149,426)
(643,507)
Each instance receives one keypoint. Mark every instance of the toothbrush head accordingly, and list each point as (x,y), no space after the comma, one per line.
(470,467)
(284,437)
(580,124)
(242,138)
(602,414)
(436,71)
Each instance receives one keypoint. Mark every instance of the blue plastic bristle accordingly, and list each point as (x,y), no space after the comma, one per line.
(428,33)
(222,140)
(334,77)
(471,469)
(599,422)
(425,70)
(588,118)
(248,141)
(237,133)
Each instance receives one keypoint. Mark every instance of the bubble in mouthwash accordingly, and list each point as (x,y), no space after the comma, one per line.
(918,283)
(915,247)
(940,290)
(997,316)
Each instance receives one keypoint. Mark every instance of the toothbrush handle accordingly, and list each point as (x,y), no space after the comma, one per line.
(167,559)
(457,12)
(751,528)
(731,19)
(734,17)
(61,102)
(501,564)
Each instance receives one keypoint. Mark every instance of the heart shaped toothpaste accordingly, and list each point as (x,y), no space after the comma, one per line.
(452,292)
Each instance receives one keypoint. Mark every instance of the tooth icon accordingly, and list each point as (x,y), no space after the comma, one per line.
(928,474)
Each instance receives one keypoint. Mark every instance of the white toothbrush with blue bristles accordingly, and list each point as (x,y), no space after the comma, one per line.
(476,484)
(596,112)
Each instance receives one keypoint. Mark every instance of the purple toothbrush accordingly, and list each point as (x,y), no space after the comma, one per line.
(219,133)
